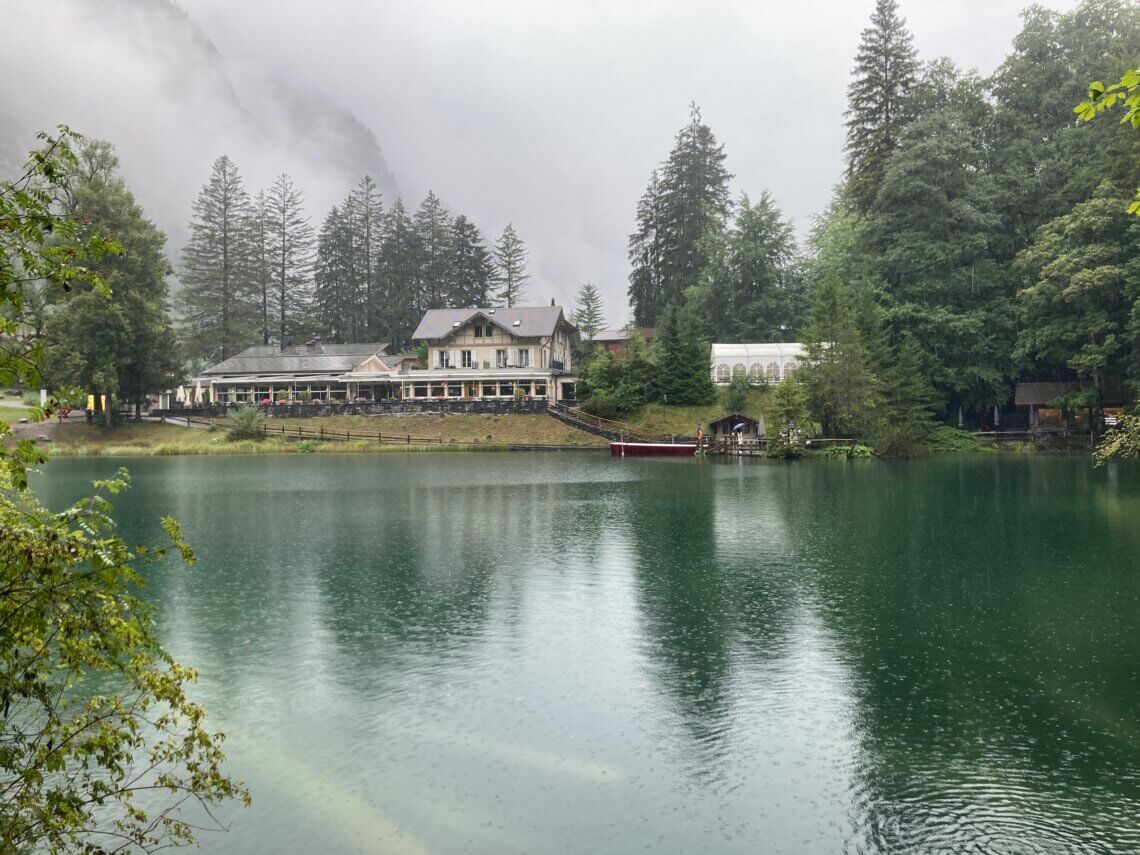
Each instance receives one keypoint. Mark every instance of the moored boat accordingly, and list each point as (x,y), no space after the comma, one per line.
(653,449)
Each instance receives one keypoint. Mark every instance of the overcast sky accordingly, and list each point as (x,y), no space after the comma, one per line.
(552,113)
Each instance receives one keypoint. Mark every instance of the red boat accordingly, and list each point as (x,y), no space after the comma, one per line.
(653,449)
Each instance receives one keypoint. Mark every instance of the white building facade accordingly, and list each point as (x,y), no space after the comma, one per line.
(761,362)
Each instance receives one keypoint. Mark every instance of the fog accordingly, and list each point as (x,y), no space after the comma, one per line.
(547,114)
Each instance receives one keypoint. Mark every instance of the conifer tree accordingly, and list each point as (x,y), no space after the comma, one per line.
(219,312)
(261,269)
(470,269)
(510,267)
(289,239)
(588,313)
(334,294)
(433,228)
(690,196)
(885,70)
(365,212)
(909,400)
(684,375)
(399,277)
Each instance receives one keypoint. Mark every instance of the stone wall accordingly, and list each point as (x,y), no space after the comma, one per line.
(365,408)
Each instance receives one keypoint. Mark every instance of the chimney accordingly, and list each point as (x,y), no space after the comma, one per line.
(552,302)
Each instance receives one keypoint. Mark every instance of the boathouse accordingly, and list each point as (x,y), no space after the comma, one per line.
(736,427)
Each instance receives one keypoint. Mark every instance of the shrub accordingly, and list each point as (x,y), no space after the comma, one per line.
(736,393)
(306,446)
(247,422)
(847,452)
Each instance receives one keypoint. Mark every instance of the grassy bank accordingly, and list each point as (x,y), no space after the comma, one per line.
(684,421)
(453,432)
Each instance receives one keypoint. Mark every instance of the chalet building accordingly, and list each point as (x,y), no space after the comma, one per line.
(524,352)
(766,361)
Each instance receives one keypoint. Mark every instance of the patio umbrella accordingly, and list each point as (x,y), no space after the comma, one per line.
(180,395)
(198,392)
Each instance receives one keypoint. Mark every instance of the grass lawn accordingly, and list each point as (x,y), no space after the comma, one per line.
(512,429)
(684,421)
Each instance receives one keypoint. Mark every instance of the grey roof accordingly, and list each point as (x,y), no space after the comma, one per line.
(533,320)
(1025,394)
(303,358)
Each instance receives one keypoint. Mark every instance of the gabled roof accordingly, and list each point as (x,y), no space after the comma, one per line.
(533,321)
(734,419)
(607,336)
(303,358)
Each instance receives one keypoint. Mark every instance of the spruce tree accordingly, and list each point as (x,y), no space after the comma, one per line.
(218,297)
(675,214)
(588,313)
(289,238)
(885,70)
(645,254)
(433,228)
(683,370)
(365,211)
(399,277)
(334,294)
(510,267)
(262,268)
(909,400)
(470,268)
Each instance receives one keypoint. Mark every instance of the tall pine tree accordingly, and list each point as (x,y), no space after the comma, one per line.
(289,238)
(885,70)
(399,277)
(335,285)
(433,228)
(470,268)
(588,313)
(365,212)
(510,267)
(690,197)
(218,297)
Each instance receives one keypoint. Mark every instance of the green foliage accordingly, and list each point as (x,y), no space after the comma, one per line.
(909,400)
(611,388)
(247,422)
(306,446)
(885,70)
(587,315)
(683,373)
(1120,443)
(944,438)
(95,724)
(736,393)
(510,267)
(676,212)
(787,419)
(289,243)
(1081,306)
(433,227)
(1102,98)
(750,288)
(847,452)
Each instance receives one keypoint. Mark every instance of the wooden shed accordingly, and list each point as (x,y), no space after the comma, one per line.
(736,426)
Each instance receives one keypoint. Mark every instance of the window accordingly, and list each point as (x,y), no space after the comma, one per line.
(437,390)
(419,390)
(478,330)
(773,372)
(488,390)
(524,358)
(790,367)
(757,372)
(722,373)
(738,369)
(524,385)
(454,390)
(505,389)
(500,359)
(465,358)
(540,390)
(444,359)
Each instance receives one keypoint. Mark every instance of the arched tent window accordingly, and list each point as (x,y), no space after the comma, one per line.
(722,373)
(773,372)
(789,367)
(756,372)
(739,369)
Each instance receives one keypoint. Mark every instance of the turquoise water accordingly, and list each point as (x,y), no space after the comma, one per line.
(499,653)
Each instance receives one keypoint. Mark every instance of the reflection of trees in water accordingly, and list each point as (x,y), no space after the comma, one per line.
(993,642)
(711,591)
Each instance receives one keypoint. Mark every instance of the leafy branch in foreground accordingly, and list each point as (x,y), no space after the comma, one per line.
(1120,443)
(1101,98)
(101,750)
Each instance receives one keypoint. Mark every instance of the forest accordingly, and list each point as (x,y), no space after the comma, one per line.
(979,237)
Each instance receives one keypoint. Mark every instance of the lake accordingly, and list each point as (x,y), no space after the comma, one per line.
(496,653)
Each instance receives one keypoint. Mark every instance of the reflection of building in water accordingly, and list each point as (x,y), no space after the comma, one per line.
(748,520)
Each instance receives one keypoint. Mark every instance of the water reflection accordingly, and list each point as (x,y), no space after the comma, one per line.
(497,653)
